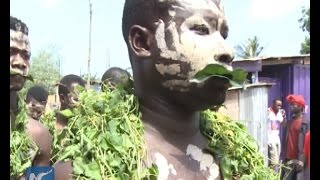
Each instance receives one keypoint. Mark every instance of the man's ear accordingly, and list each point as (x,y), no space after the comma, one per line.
(140,40)
(62,98)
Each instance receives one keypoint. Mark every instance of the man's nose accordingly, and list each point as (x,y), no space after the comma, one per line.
(224,53)
(19,63)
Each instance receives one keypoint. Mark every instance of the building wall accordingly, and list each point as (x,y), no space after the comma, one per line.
(253,104)
(231,104)
(282,76)
(301,84)
(292,79)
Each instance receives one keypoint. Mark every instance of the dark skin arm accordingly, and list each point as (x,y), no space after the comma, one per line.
(63,170)
(41,136)
(284,122)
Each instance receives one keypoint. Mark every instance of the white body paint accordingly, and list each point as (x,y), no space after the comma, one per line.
(176,40)
(206,161)
(171,69)
(164,168)
(20,40)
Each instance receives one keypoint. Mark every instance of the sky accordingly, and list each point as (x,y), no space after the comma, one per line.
(65,25)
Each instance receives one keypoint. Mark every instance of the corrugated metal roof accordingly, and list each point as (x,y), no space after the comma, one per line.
(251,85)
(273,57)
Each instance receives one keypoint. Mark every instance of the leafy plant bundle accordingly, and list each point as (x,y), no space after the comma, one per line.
(236,149)
(22,148)
(48,119)
(104,137)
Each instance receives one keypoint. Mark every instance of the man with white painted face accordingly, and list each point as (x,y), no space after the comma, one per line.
(37,98)
(19,69)
(168,42)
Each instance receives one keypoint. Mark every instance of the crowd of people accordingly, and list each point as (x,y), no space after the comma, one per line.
(296,142)
(168,42)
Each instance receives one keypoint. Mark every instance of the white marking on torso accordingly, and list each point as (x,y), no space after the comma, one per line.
(206,161)
(163,167)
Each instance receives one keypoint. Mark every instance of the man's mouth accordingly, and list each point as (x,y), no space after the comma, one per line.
(19,74)
(235,77)
(216,82)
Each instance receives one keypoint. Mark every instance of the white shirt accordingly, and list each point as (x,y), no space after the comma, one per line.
(274,123)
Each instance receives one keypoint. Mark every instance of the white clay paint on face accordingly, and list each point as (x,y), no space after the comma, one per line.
(202,4)
(19,40)
(171,69)
(164,168)
(176,84)
(185,45)
(206,161)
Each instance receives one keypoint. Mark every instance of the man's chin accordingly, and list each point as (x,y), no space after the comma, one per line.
(16,87)
(209,102)
(199,101)
(17,83)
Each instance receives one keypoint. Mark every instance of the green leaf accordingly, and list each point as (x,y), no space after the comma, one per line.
(66,113)
(29,77)
(236,77)
(116,141)
(115,163)
(113,126)
(79,165)
(93,171)
(104,144)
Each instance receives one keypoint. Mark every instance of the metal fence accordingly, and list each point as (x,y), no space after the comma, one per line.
(253,105)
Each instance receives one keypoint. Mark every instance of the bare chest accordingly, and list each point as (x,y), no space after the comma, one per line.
(181,161)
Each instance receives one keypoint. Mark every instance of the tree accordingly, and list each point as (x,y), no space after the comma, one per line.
(44,69)
(250,49)
(305,26)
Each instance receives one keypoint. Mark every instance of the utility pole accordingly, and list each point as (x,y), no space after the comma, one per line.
(89,54)
(108,58)
(59,68)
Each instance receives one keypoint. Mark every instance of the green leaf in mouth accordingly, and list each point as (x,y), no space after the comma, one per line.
(67,113)
(29,77)
(236,77)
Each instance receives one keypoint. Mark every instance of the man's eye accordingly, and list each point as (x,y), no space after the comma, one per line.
(25,56)
(13,51)
(200,29)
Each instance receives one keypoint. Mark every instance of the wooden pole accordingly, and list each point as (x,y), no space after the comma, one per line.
(89,54)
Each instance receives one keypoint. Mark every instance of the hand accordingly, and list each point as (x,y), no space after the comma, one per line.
(283,112)
(298,165)
(284,122)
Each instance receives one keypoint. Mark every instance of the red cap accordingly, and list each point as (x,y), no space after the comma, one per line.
(297,99)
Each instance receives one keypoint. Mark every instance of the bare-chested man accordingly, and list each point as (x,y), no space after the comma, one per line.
(168,42)
(116,76)
(19,64)
(68,96)
(68,99)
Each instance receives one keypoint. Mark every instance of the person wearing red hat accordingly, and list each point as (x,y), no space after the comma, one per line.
(296,130)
